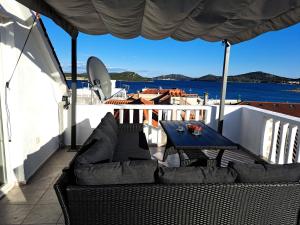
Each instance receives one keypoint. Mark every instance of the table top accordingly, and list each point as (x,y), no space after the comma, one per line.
(209,138)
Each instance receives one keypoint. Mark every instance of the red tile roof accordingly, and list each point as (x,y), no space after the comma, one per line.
(292,109)
(173,92)
(154,91)
(118,102)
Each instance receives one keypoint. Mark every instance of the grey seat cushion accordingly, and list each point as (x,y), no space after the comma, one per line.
(131,154)
(129,172)
(98,151)
(266,173)
(202,175)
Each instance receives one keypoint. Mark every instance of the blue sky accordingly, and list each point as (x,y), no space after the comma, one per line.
(274,52)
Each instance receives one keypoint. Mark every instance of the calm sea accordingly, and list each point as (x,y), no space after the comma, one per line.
(244,91)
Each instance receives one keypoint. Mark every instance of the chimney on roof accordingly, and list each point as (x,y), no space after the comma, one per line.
(205,98)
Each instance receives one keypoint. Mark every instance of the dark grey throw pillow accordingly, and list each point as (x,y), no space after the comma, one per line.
(266,173)
(98,151)
(200,175)
(110,120)
(109,126)
(105,134)
(129,172)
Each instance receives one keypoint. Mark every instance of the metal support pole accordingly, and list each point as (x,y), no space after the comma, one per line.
(224,85)
(74,93)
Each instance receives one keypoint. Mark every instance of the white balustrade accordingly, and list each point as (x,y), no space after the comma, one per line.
(280,142)
(156,113)
(167,110)
(273,136)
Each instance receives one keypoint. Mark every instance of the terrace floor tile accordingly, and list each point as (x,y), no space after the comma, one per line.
(49,213)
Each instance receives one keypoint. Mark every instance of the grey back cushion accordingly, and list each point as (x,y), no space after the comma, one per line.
(200,175)
(98,151)
(101,133)
(110,120)
(109,131)
(266,173)
(129,172)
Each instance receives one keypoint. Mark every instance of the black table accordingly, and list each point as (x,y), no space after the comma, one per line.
(185,141)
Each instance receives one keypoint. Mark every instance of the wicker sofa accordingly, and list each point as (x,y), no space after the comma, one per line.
(175,203)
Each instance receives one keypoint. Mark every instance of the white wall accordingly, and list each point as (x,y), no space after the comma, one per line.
(34,94)
(87,118)
(232,120)
(242,124)
(257,129)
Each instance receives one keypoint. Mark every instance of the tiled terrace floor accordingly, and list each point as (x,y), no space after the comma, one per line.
(36,202)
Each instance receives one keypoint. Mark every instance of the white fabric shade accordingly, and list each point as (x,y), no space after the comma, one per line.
(184,20)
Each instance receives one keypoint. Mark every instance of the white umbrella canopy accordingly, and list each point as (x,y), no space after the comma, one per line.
(184,20)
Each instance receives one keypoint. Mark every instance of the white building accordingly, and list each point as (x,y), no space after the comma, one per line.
(31,106)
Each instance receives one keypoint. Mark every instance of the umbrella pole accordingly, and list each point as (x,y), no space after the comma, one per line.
(74,93)
(224,85)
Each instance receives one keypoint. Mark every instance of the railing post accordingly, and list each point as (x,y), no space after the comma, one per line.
(159,135)
(207,119)
(141,116)
(197,113)
(292,137)
(74,93)
(178,115)
(121,116)
(150,117)
(275,129)
(298,149)
(264,139)
(130,115)
(283,134)
(187,115)
(224,85)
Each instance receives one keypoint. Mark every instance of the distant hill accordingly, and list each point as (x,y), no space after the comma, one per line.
(208,77)
(128,76)
(172,77)
(251,77)
(258,77)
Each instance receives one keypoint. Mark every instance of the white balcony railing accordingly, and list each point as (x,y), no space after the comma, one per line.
(89,116)
(280,141)
(165,112)
(151,115)
(273,136)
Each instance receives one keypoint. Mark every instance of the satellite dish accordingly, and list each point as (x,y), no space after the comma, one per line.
(99,78)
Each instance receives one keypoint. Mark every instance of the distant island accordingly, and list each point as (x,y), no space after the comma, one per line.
(126,76)
(295,90)
(251,77)
(172,77)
